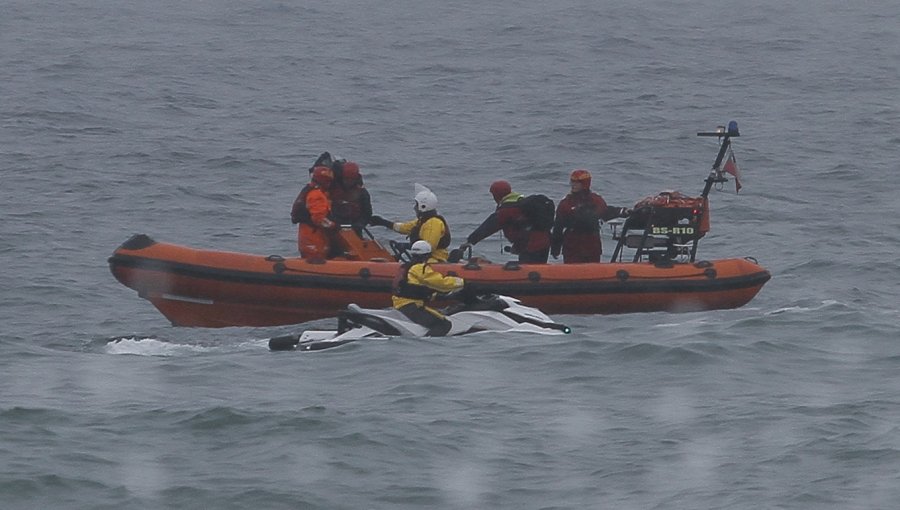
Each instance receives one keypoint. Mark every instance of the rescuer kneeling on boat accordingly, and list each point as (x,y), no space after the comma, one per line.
(415,285)
(428,225)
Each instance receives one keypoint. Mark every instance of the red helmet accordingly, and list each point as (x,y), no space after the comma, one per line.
(350,175)
(582,176)
(322,175)
(500,189)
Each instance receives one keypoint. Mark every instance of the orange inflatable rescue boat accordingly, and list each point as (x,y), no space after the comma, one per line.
(196,287)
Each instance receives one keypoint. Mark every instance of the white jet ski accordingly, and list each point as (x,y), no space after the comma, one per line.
(484,313)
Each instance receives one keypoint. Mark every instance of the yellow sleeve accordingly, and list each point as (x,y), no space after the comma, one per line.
(405,228)
(432,231)
(422,274)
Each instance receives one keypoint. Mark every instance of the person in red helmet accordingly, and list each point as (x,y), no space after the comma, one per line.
(351,203)
(500,189)
(312,210)
(576,231)
(299,214)
(530,240)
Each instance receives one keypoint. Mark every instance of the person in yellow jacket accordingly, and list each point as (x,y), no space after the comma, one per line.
(428,226)
(416,284)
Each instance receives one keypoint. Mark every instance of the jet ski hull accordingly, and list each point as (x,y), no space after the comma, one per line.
(485,313)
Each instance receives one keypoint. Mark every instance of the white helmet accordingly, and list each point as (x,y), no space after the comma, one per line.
(419,248)
(425,199)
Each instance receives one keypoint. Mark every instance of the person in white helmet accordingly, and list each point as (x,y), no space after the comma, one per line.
(428,226)
(416,284)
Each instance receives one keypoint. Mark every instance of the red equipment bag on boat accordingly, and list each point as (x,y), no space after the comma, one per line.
(673,208)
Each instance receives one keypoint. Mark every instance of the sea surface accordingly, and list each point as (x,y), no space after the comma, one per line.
(195,123)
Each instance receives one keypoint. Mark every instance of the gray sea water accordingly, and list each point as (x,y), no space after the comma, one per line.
(194,122)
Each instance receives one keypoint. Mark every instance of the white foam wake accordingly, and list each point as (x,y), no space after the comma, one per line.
(151,347)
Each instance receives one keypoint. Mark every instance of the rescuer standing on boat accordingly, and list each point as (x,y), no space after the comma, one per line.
(576,231)
(311,210)
(415,286)
(530,240)
(428,226)
(351,203)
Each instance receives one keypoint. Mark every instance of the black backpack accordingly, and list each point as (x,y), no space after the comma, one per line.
(299,212)
(539,211)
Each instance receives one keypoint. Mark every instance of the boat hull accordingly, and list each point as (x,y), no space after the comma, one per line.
(204,288)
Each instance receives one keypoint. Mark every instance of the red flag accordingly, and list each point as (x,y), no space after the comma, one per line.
(731,167)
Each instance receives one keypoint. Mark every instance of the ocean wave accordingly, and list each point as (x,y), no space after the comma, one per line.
(148,346)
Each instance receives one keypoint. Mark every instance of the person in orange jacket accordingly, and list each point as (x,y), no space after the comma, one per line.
(312,210)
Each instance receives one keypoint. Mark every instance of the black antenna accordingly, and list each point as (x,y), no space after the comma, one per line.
(715,175)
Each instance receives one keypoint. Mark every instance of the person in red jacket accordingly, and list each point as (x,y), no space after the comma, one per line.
(351,203)
(312,209)
(529,242)
(576,230)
